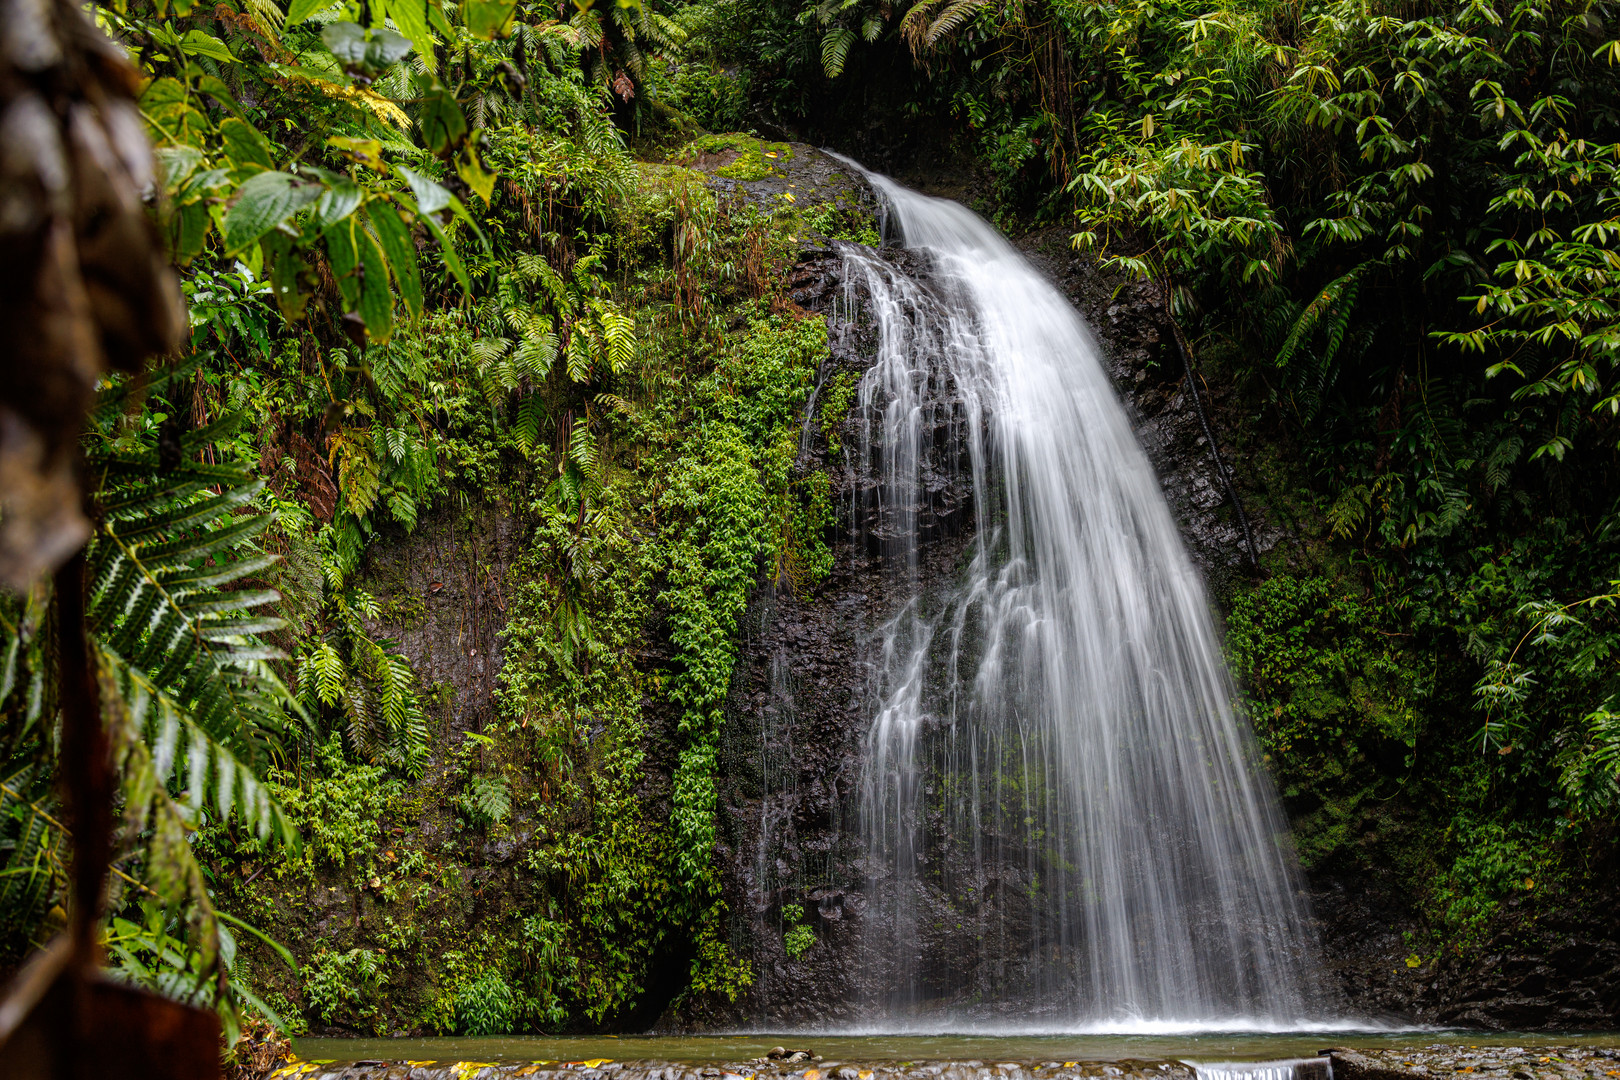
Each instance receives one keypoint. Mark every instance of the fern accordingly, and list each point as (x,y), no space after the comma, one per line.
(488,800)
(33,857)
(368,684)
(835,50)
(928,23)
(191,704)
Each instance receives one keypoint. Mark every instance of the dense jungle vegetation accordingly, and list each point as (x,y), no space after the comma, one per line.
(451,260)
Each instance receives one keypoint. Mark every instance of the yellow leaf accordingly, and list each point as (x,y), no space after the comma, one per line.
(367,152)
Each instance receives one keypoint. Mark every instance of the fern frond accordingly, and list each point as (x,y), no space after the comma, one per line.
(33,857)
(618,332)
(835,50)
(526,423)
(214,775)
(579,352)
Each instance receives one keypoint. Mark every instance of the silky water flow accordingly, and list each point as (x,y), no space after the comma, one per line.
(1055,772)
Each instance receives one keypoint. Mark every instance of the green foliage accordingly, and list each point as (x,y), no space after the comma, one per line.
(342,987)
(1578,640)
(364,684)
(487,801)
(715,98)
(350,87)
(713,562)
(1322,673)
(1493,860)
(720,493)
(34,870)
(486,1006)
(836,399)
(837,219)
(797,937)
(337,808)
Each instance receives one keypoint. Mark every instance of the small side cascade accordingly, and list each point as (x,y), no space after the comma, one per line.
(1316,1068)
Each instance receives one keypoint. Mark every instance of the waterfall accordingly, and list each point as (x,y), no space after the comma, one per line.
(1063,815)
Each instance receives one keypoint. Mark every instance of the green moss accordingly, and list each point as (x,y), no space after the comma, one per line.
(756,159)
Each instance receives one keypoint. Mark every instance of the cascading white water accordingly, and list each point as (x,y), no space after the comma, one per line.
(1055,769)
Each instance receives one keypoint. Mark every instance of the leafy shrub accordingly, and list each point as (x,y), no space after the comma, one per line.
(1319,668)
(716,99)
(797,937)
(486,1007)
(338,806)
(342,985)
(837,220)
(1492,861)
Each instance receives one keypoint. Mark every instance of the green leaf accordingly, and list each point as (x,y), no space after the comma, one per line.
(188,231)
(443,124)
(395,237)
(197,43)
(175,163)
(247,151)
(285,266)
(362,276)
(376,299)
(215,88)
(488,18)
(411,18)
(346,41)
(471,170)
(167,106)
(367,152)
(386,47)
(345,260)
(431,197)
(336,203)
(264,202)
(367,50)
(452,261)
(299,10)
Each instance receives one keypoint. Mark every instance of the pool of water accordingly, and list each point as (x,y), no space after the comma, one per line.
(1190,1046)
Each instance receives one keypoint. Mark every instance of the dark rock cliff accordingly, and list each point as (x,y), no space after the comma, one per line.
(801,700)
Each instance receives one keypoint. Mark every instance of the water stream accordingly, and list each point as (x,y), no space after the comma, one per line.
(1055,772)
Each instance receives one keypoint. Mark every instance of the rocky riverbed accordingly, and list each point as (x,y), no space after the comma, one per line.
(1404,1063)
(784,1068)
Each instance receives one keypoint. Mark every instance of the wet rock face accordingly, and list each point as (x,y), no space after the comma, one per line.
(1558,971)
(1141,358)
(443,588)
(791,756)
(802,699)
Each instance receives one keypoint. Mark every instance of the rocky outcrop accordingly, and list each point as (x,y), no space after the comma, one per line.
(1494,1062)
(802,701)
